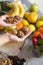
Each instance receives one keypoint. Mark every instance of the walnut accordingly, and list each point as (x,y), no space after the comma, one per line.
(20,34)
(25,30)
(14,32)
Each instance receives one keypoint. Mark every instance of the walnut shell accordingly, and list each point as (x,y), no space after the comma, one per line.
(14,32)
(25,30)
(20,34)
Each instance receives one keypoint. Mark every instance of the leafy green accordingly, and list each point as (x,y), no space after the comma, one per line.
(30,48)
(3,6)
(40,41)
(37,48)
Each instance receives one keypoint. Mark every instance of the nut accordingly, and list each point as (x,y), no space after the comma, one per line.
(20,34)
(13,20)
(14,32)
(25,30)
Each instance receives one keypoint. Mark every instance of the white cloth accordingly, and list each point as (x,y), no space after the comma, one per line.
(34,61)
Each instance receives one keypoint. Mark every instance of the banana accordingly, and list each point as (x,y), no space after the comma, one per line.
(14,9)
(21,9)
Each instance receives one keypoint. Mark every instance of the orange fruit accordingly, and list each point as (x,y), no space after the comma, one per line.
(19,25)
(35,34)
(32,18)
(40,29)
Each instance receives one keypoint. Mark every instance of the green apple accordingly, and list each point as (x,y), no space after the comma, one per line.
(34,7)
(41,18)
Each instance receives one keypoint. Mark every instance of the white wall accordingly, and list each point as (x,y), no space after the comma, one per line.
(39,2)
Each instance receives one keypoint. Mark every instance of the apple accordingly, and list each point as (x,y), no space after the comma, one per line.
(39,36)
(34,7)
(34,40)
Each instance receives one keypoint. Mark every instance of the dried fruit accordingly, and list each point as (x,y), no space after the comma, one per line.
(16,60)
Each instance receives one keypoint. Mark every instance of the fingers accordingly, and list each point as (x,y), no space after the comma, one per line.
(3,23)
(14,38)
(7,37)
(4,39)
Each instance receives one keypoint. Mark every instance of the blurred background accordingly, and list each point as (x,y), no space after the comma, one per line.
(14,47)
(39,2)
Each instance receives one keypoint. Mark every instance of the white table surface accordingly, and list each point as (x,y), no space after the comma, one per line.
(13,48)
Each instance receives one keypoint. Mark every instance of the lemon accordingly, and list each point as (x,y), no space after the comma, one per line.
(25,22)
(33,16)
(32,27)
(26,15)
(39,23)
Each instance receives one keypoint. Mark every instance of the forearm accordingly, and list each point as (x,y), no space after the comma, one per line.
(3,39)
